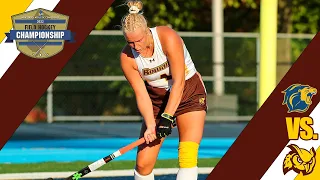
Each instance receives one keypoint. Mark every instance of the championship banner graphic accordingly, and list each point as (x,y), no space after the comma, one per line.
(40,33)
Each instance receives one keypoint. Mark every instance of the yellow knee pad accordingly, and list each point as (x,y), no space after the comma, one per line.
(188,154)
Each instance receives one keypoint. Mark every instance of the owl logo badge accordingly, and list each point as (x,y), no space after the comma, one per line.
(299,160)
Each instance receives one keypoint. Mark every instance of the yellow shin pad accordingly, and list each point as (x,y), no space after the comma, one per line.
(188,154)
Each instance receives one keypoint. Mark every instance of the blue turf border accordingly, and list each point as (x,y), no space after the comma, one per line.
(67,150)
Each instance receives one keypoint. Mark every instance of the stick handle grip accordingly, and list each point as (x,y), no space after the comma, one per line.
(132,145)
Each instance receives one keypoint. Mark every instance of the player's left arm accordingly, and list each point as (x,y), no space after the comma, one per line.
(172,46)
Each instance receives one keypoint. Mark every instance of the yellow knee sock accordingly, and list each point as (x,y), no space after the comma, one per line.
(188,154)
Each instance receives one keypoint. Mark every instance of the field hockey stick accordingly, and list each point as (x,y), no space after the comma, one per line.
(99,163)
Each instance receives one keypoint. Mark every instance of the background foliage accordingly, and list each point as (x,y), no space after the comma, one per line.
(99,55)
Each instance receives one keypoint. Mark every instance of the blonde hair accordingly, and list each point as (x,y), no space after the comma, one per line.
(134,19)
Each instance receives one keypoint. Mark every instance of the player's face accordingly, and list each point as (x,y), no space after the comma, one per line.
(137,39)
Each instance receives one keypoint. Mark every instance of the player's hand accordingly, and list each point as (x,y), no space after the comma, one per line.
(150,134)
(164,127)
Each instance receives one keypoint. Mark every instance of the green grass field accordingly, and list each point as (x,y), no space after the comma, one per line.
(75,166)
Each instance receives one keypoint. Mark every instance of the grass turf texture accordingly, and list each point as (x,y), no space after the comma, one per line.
(75,166)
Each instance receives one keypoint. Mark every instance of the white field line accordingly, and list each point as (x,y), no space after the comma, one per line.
(101,173)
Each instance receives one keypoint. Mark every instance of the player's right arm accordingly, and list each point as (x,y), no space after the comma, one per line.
(144,103)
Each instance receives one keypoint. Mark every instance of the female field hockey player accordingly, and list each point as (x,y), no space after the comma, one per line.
(167,86)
